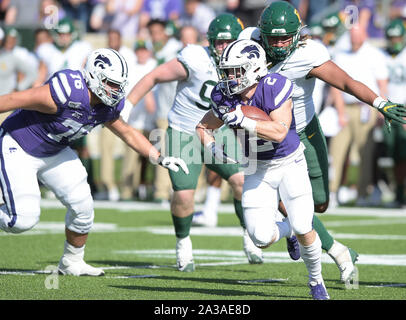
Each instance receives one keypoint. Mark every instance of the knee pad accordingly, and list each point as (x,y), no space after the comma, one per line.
(18,223)
(80,215)
(260,225)
(22,224)
(301,216)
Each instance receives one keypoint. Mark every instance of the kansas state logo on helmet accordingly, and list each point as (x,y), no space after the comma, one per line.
(252,52)
(101,61)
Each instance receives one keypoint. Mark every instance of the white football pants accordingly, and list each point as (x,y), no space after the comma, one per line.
(288,181)
(62,173)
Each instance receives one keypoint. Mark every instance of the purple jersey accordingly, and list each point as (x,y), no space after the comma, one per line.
(43,135)
(272,91)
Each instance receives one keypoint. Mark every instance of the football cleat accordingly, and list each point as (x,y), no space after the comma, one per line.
(200,220)
(184,255)
(293,248)
(78,268)
(253,253)
(345,259)
(318,291)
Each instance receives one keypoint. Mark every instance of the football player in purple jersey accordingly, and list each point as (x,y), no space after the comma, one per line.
(273,146)
(35,145)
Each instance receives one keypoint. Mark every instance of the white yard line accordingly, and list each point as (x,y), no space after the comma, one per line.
(227,208)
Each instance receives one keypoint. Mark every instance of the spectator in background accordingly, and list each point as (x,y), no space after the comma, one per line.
(140,117)
(3,8)
(50,13)
(310,10)
(108,140)
(78,11)
(199,15)
(365,16)
(46,52)
(160,9)
(11,43)
(100,19)
(397,9)
(366,64)
(43,39)
(248,11)
(395,140)
(23,13)
(189,35)
(165,47)
(125,16)
(10,65)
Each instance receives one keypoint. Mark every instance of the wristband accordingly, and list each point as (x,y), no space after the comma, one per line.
(378,101)
(159,160)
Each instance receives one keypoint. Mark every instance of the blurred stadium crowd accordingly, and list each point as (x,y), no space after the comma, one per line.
(368,165)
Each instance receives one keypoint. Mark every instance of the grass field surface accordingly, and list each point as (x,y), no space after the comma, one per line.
(135,244)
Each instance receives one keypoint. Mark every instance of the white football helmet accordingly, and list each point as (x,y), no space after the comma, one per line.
(242,64)
(106,74)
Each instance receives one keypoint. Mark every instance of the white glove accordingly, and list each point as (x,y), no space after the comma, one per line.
(173,164)
(219,154)
(236,119)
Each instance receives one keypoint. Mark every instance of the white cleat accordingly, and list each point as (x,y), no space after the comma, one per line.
(344,261)
(184,255)
(78,268)
(200,220)
(253,253)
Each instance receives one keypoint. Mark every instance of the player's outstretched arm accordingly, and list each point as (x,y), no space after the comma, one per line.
(172,70)
(138,142)
(37,99)
(338,78)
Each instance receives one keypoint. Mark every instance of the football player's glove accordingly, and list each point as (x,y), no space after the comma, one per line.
(236,119)
(219,153)
(391,111)
(173,164)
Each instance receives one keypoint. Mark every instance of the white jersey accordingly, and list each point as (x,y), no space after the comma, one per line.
(192,99)
(165,92)
(397,76)
(73,57)
(296,68)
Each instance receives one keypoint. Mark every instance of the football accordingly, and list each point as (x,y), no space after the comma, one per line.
(255,113)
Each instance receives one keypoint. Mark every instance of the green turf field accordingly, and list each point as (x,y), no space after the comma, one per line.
(136,249)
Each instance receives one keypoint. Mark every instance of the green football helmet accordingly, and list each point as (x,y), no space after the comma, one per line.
(225,26)
(65,26)
(395,34)
(333,27)
(280,19)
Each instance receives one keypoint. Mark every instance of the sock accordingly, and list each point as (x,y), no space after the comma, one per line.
(284,228)
(326,239)
(73,253)
(239,212)
(88,164)
(182,225)
(212,203)
(311,256)
(400,191)
(339,253)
